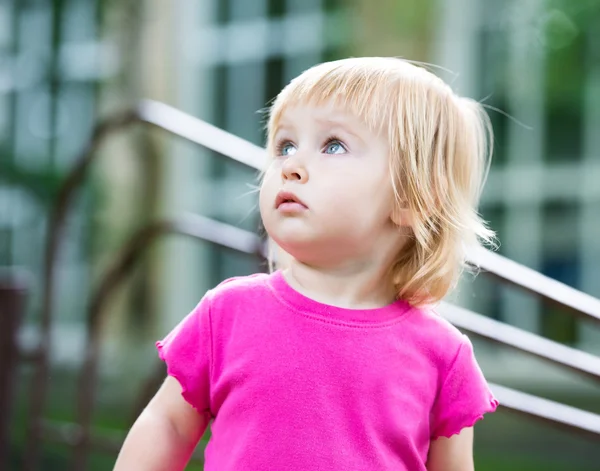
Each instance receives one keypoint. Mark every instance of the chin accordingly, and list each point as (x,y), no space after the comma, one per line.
(310,252)
(294,246)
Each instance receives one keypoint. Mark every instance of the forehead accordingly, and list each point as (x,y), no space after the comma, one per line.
(325,115)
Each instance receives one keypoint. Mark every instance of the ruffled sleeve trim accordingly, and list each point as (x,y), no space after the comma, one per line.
(185,392)
(469,421)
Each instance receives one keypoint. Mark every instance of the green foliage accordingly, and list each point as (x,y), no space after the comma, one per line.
(42,182)
(567,27)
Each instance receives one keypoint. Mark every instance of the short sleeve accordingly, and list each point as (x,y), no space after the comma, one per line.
(464,396)
(186,350)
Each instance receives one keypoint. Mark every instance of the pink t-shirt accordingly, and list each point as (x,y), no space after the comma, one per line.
(293,384)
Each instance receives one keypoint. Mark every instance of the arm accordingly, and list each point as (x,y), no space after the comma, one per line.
(452,454)
(164,436)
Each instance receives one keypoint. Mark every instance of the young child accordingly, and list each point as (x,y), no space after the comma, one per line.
(336,361)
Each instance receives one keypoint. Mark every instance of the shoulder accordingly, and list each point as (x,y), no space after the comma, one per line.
(239,291)
(239,308)
(239,286)
(438,338)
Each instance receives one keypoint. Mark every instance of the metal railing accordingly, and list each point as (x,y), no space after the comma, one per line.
(80,434)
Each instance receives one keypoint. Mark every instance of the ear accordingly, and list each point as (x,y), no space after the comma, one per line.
(401,216)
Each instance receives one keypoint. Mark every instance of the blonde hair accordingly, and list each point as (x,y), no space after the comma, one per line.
(440,148)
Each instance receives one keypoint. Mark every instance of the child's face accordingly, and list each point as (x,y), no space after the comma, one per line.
(327,196)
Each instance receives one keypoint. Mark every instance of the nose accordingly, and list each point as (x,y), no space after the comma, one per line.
(293,171)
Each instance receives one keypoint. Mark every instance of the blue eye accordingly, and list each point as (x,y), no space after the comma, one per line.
(335,147)
(286,148)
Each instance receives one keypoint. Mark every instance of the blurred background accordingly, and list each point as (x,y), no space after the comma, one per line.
(65,64)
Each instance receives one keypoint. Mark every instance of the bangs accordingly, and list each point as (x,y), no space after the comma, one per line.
(369,88)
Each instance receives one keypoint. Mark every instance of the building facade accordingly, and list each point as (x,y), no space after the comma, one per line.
(223,61)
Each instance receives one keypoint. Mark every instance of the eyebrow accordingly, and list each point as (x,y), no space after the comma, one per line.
(341,124)
(333,123)
(282,126)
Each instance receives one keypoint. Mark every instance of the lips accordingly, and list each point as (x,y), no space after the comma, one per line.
(284,197)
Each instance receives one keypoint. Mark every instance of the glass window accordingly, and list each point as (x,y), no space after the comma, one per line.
(243,10)
(275,8)
(565,83)
(560,261)
(223,13)
(492,85)
(557,324)
(273,78)
(560,223)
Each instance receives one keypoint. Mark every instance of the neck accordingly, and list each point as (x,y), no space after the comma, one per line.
(354,285)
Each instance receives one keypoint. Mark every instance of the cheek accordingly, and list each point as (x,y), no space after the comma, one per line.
(374,189)
(263,196)
(376,200)
(267,190)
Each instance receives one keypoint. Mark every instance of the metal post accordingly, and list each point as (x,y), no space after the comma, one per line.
(12,304)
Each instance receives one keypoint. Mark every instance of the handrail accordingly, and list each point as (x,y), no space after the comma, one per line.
(578,361)
(200,132)
(180,124)
(552,412)
(565,296)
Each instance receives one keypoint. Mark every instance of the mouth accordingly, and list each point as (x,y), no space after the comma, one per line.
(288,198)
